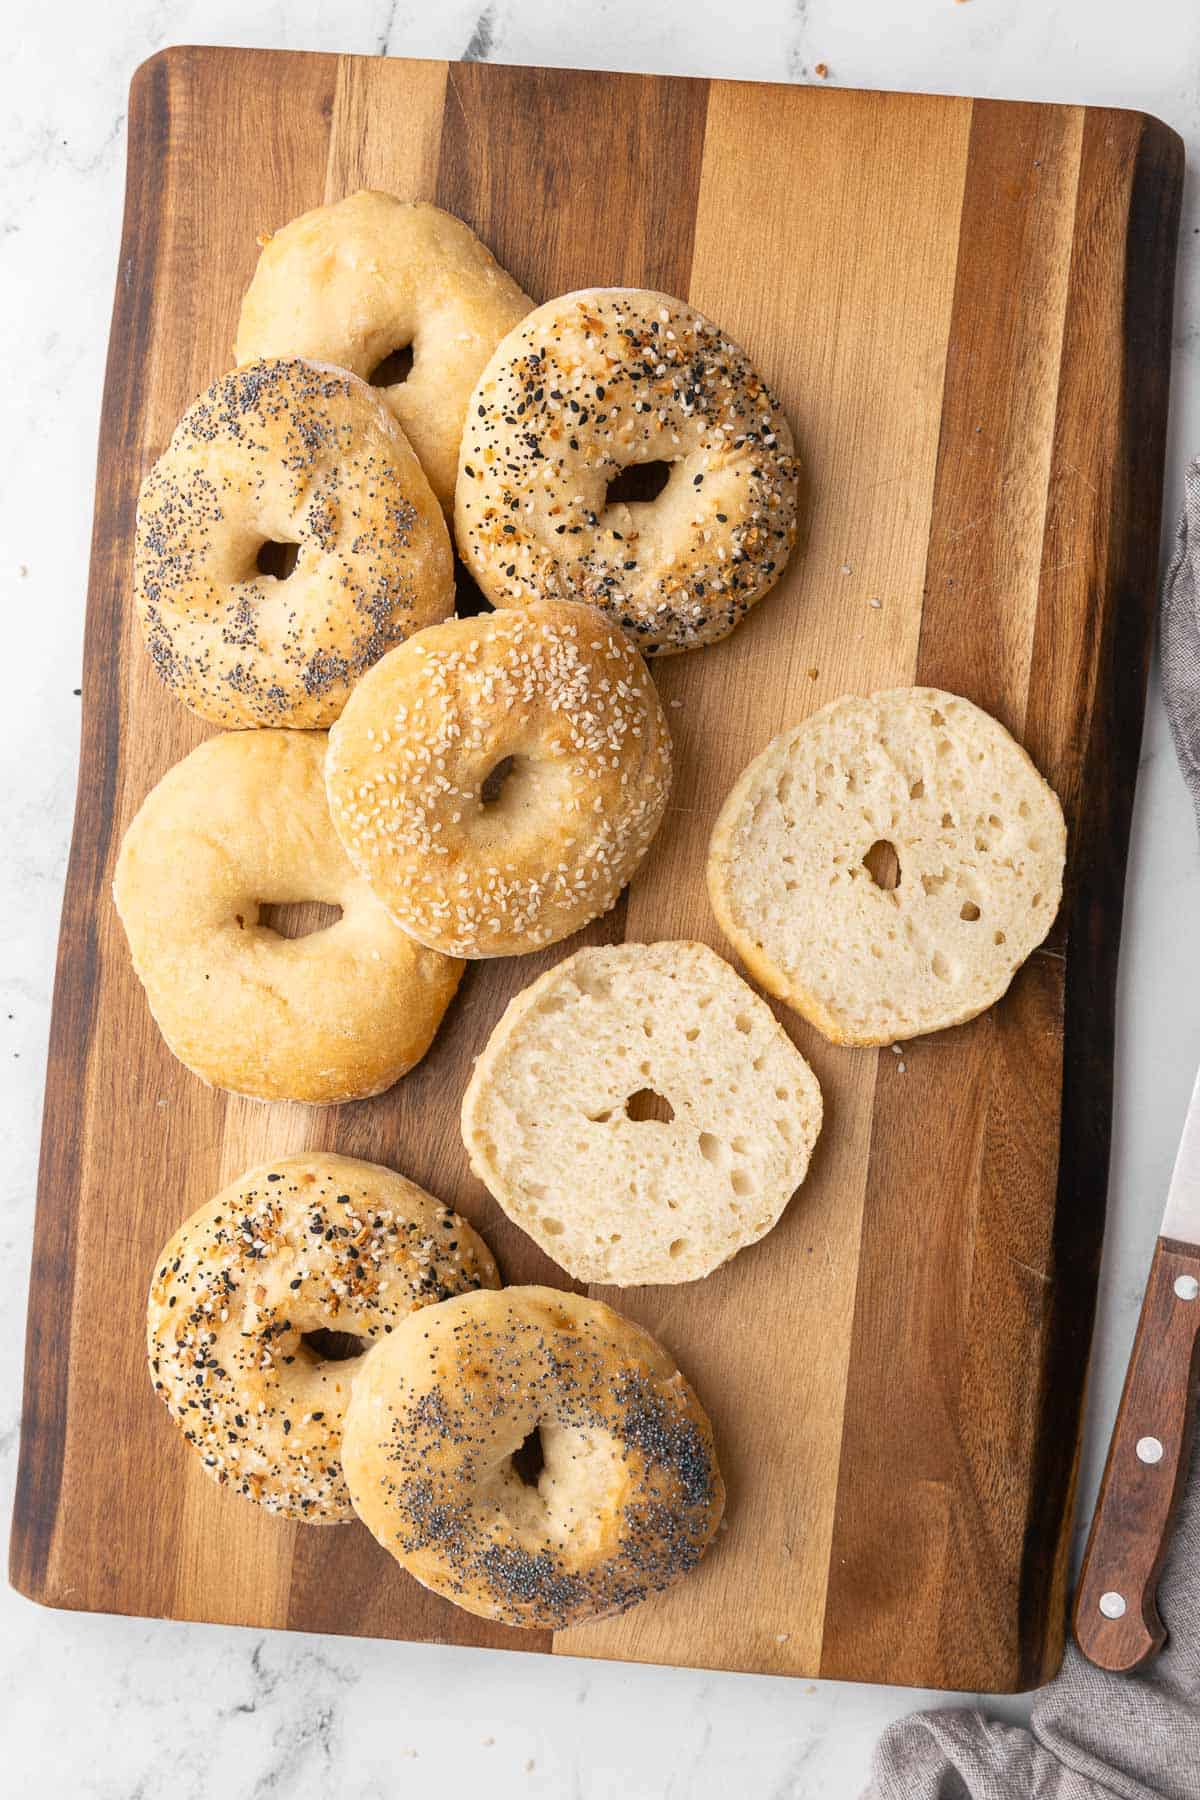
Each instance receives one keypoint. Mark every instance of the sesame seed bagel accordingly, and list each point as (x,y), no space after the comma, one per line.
(245,1297)
(585,387)
(342,1013)
(278,454)
(552,706)
(629,1495)
(641,1113)
(888,865)
(354,282)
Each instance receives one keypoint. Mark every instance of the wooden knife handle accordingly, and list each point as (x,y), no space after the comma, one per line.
(1116,1619)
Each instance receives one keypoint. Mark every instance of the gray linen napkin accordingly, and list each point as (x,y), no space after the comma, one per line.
(1092,1735)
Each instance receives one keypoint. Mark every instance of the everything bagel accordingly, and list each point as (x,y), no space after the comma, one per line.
(245,1298)
(581,390)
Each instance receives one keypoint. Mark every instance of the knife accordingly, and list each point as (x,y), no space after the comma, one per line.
(1116,1617)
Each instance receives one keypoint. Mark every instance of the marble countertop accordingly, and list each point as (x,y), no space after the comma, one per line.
(159,1710)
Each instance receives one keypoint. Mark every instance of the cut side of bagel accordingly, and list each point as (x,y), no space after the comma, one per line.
(641,1113)
(887,866)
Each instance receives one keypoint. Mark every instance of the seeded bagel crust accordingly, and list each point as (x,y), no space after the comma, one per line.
(630,1494)
(285,452)
(313,1243)
(554,699)
(579,391)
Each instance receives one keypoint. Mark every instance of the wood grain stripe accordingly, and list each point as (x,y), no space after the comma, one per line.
(997,424)
(404,159)
(777,1406)
(949,1248)
(589,212)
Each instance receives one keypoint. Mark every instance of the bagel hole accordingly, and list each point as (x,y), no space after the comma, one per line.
(469,601)
(395,367)
(277,558)
(333,1346)
(297,918)
(529,1458)
(638,483)
(646,1105)
(494,781)
(883,865)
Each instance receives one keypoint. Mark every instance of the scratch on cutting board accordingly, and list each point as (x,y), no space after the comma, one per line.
(1039,1275)
(463,112)
(1078,474)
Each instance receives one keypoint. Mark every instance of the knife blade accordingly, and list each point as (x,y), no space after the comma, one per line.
(1181,1220)
(1117,1622)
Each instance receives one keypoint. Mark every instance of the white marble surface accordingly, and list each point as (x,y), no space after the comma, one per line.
(114,1709)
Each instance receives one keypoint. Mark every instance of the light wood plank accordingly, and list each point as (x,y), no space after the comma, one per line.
(403,159)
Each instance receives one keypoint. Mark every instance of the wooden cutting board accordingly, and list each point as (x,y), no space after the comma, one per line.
(965,308)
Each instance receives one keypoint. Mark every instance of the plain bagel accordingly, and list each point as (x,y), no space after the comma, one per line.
(280,454)
(579,391)
(261,1303)
(354,282)
(498,779)
(887,865)
(629,1495)
(641,1113)
(340,1014)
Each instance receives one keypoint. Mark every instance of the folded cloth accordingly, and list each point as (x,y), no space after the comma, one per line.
(1093,1735)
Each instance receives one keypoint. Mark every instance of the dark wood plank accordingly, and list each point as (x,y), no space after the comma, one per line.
(76,985)
(576,179)
(1101,572)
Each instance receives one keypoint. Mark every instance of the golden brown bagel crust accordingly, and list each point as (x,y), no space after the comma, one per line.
(581,389)
(629,1497)
(305,1244)
(296,453)
(353,282)
(337,1015)
(560,691)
